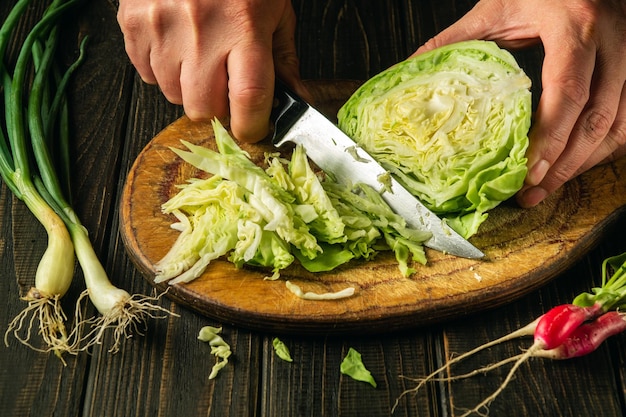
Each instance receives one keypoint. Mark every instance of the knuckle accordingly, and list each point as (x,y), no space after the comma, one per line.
(130,23)
(575,88)
(593,19)
(588,18)
(244,18)
(250,97)
(597,124)
(556,139)
(563,171)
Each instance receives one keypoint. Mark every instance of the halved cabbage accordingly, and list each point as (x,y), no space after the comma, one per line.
(451,125)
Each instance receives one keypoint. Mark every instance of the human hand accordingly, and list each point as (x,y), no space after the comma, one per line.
(581,117)
(215,57)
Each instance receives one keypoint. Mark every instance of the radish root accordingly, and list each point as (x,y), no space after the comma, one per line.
(527,330)
(485,403)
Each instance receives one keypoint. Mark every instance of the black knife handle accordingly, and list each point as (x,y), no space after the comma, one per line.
(287,109)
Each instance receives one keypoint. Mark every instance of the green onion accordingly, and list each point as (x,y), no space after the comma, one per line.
(45,190)
(56,267)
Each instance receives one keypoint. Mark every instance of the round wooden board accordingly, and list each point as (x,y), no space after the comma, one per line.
(524,249)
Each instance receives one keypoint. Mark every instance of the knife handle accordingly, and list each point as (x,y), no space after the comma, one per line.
(287,109)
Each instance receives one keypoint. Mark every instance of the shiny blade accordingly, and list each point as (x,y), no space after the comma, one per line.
(334,152)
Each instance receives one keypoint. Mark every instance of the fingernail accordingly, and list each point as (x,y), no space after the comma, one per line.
(537,172)
(532,196)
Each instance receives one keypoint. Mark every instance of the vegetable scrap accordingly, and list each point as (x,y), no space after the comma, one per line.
(219,347)
(281,350)
(564,332)
(309,295)
(352,365)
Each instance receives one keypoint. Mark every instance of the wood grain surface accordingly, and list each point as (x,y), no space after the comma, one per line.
(524,249)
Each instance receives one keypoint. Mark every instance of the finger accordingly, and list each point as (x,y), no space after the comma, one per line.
(592,126)
(566,79)
(614,145)
(475,24)
(167,72)
(204,87)
(139,56)
(286,62)
(137,47)
(250,90)
(555,156)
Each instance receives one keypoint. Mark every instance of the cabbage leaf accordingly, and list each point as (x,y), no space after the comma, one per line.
(352,365)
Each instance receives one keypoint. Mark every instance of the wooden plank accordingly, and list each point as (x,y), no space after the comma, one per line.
(319,389)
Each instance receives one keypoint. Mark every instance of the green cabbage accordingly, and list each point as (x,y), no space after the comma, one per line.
(451,125)
(266,196)
(270,217)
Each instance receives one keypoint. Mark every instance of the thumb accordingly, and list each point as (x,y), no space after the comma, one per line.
(250,86)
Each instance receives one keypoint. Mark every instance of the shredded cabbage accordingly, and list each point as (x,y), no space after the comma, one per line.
(219,347)
(451,125)
(271,217)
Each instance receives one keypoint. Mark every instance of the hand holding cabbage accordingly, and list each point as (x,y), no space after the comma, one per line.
(581,118)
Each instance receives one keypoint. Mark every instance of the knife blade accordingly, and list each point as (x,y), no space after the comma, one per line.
(335,153)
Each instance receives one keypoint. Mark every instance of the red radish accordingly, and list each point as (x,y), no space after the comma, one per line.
(587,337)
(555,326)
(564,332)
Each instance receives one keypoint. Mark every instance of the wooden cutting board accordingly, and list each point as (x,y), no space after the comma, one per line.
(524,249)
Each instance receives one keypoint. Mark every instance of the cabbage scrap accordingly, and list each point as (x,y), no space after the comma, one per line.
(219,347)
(451,125)
(281,350)
(352,365)
(309,295)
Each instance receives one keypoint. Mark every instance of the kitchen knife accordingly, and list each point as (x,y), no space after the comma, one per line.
(335,153)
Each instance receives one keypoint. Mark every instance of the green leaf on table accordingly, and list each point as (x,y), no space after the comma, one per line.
(282,351)
(352,365)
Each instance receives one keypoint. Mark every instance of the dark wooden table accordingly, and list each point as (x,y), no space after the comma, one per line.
(165,372)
